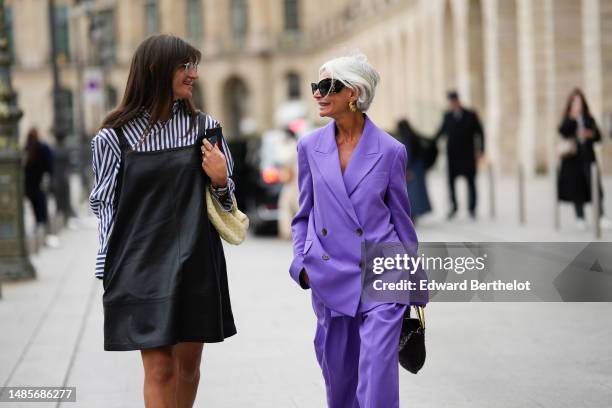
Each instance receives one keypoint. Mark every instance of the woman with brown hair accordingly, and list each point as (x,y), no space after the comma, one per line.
(39,160)
(579,132)
(160,259)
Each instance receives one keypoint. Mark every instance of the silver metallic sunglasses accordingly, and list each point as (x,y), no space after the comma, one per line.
(190,66)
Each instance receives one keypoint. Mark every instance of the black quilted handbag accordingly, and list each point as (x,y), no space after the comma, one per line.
(412,340)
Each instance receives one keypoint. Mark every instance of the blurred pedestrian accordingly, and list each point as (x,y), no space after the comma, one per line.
(579,132)
(352,189)
(465,145)
(288,199)
(416,149)
(160,259)
(38,162)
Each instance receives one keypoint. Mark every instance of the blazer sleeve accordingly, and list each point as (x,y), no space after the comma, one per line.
(398,201)
(299,225)
(480,136)
(399,206)
(592,124)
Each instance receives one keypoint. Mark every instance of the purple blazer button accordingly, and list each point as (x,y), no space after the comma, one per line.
(324,232)
(325,257)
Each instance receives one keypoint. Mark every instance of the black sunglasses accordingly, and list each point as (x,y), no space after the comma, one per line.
(327,86)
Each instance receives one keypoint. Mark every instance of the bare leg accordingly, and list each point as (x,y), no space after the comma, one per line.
(187,358)
(160,377)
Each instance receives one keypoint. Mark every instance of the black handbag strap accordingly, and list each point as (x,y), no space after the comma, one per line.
(201,126)
(124,146)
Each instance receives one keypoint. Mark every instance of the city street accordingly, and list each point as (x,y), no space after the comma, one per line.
(516,91)
(479,354)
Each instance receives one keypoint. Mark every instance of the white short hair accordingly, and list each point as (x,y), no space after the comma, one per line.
(355,72)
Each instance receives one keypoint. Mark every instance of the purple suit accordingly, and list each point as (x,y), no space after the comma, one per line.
(337,213)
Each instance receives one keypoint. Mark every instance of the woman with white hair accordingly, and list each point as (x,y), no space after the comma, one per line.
(351,177)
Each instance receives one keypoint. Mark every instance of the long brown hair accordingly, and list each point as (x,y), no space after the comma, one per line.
(149,84)
(31,147)
(586,112)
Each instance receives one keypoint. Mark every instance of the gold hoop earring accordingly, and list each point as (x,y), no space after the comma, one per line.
(352,106)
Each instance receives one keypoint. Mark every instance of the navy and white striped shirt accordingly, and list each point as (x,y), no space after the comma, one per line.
(107,158)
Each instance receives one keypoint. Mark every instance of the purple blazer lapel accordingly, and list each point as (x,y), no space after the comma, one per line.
(328,163)
(366,155)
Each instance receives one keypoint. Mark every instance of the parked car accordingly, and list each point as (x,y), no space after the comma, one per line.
(264,160)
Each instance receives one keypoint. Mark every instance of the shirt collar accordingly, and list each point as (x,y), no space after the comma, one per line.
(176,107)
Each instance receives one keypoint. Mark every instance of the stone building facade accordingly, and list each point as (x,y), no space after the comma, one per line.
(515,61)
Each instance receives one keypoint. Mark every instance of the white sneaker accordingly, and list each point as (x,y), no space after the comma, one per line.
(52,241)
(581,224)
(605,223)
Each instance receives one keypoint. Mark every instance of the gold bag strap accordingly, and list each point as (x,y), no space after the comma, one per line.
(420,312)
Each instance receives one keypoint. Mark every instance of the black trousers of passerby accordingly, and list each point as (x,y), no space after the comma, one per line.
(39,204)
(472,196)
(579,209)
(584,182)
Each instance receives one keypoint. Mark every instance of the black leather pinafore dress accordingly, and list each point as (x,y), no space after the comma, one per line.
(165,278)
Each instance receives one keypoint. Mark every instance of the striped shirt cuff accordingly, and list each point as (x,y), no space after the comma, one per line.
(100,259)
(224,195)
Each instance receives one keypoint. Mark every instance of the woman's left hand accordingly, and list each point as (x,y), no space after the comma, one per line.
(213,163)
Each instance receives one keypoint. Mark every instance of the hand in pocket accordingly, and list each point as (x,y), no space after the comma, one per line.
(304,277)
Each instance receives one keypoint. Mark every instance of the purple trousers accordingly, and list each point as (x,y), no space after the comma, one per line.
(359,355)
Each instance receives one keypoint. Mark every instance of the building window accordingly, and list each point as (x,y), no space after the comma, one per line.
(103,36)
(293,86)
(292,15)
(195,20)
(8,21)
(65,111)
(151,17)
(62,42)
(110,97)
(239,19)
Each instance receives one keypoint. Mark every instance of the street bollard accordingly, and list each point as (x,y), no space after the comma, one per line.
(557,204)
(521,194)
(595,201)
(491,192)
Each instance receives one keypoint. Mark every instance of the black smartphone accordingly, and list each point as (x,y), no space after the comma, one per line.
(213,135)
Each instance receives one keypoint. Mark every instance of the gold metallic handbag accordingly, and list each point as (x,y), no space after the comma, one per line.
(231,226)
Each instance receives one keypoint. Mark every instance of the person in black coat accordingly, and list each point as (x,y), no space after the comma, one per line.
(579,132)
(416,169)
(465,145)
(39,160)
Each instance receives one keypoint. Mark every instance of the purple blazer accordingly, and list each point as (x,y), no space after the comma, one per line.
(339,211)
